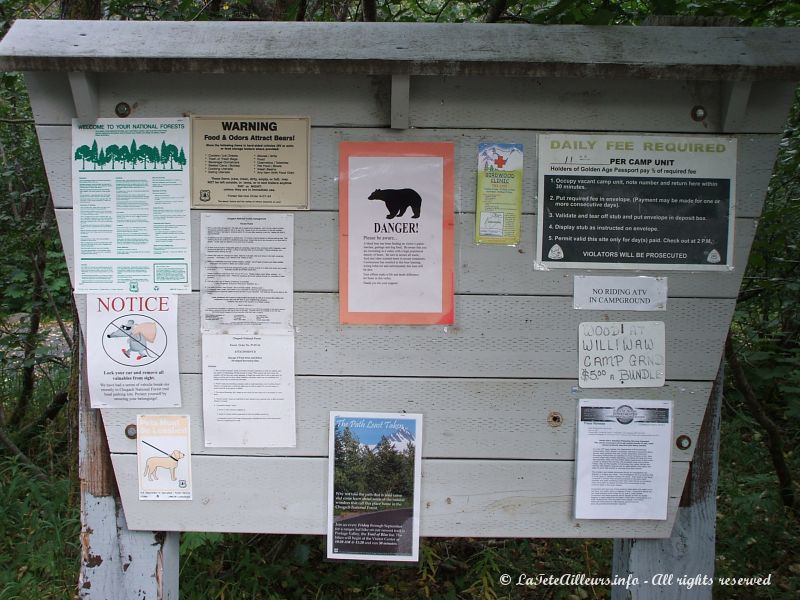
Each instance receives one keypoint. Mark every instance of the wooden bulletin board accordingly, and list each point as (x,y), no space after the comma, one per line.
(498,389)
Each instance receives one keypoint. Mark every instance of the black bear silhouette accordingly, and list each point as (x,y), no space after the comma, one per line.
(397,201)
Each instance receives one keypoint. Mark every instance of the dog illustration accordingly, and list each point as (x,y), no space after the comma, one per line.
(165,462)
(397,201)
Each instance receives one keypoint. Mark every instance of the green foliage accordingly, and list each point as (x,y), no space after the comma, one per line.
(766,327)
(26,219)
(39,529)
(294,567)
(754,535)
(384,470)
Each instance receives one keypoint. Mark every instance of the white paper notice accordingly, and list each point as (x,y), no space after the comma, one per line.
(623,460)
(130,190)
(132,351)
(164,456)
(395,264)
(248,391)
(594,292)
(246,276)
(615,355)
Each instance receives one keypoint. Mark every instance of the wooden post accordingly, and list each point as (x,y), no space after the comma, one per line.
(115,562)
(690,550)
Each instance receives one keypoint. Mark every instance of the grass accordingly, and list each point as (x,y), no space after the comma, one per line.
(39,529)
(756,536)
(271,567)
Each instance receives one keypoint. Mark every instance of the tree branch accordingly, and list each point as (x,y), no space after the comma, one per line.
(370,10)
(774,437)
(12,447)
(496,10)
(50,413)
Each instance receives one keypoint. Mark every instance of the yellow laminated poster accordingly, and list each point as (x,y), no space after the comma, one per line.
(499,203)
(163,451)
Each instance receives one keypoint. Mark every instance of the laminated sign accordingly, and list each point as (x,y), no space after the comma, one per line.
(130,190)
(374,472)
(164,457)
(636,202)
(132,351)
(396,233)
(250,162)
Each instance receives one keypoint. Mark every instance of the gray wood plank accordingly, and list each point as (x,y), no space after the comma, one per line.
(464,418)
(494,336)
(51,98)
(468,102)
(475,498)
(756,156)
(590,104)
(349,100)
(713,53)
(479,269)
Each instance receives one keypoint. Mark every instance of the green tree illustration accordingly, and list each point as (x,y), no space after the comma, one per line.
(82,153)
(143,154)
(124,156)
(181,159)
(112,155)
(169,153)
(155,156)
(93,154)
(133,154)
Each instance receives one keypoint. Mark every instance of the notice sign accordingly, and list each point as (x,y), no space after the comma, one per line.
(396,233)
(132,351)
(164,457)
(620,293)
(636,202)
(130,194)
(248,391)
(373,486)
(499,202)
(623,459)
(246,272)
(613,355)
(250,162)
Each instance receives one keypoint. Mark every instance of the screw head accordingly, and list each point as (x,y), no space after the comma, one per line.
(554,419)
(130,432)
(122,110)
(684,442)
(699,113)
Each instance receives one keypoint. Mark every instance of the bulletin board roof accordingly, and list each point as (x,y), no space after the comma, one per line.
(696,53)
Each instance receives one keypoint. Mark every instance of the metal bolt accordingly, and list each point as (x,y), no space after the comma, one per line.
(123,109)
(130,432)
(554,419)
(684,442)
(699,113)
